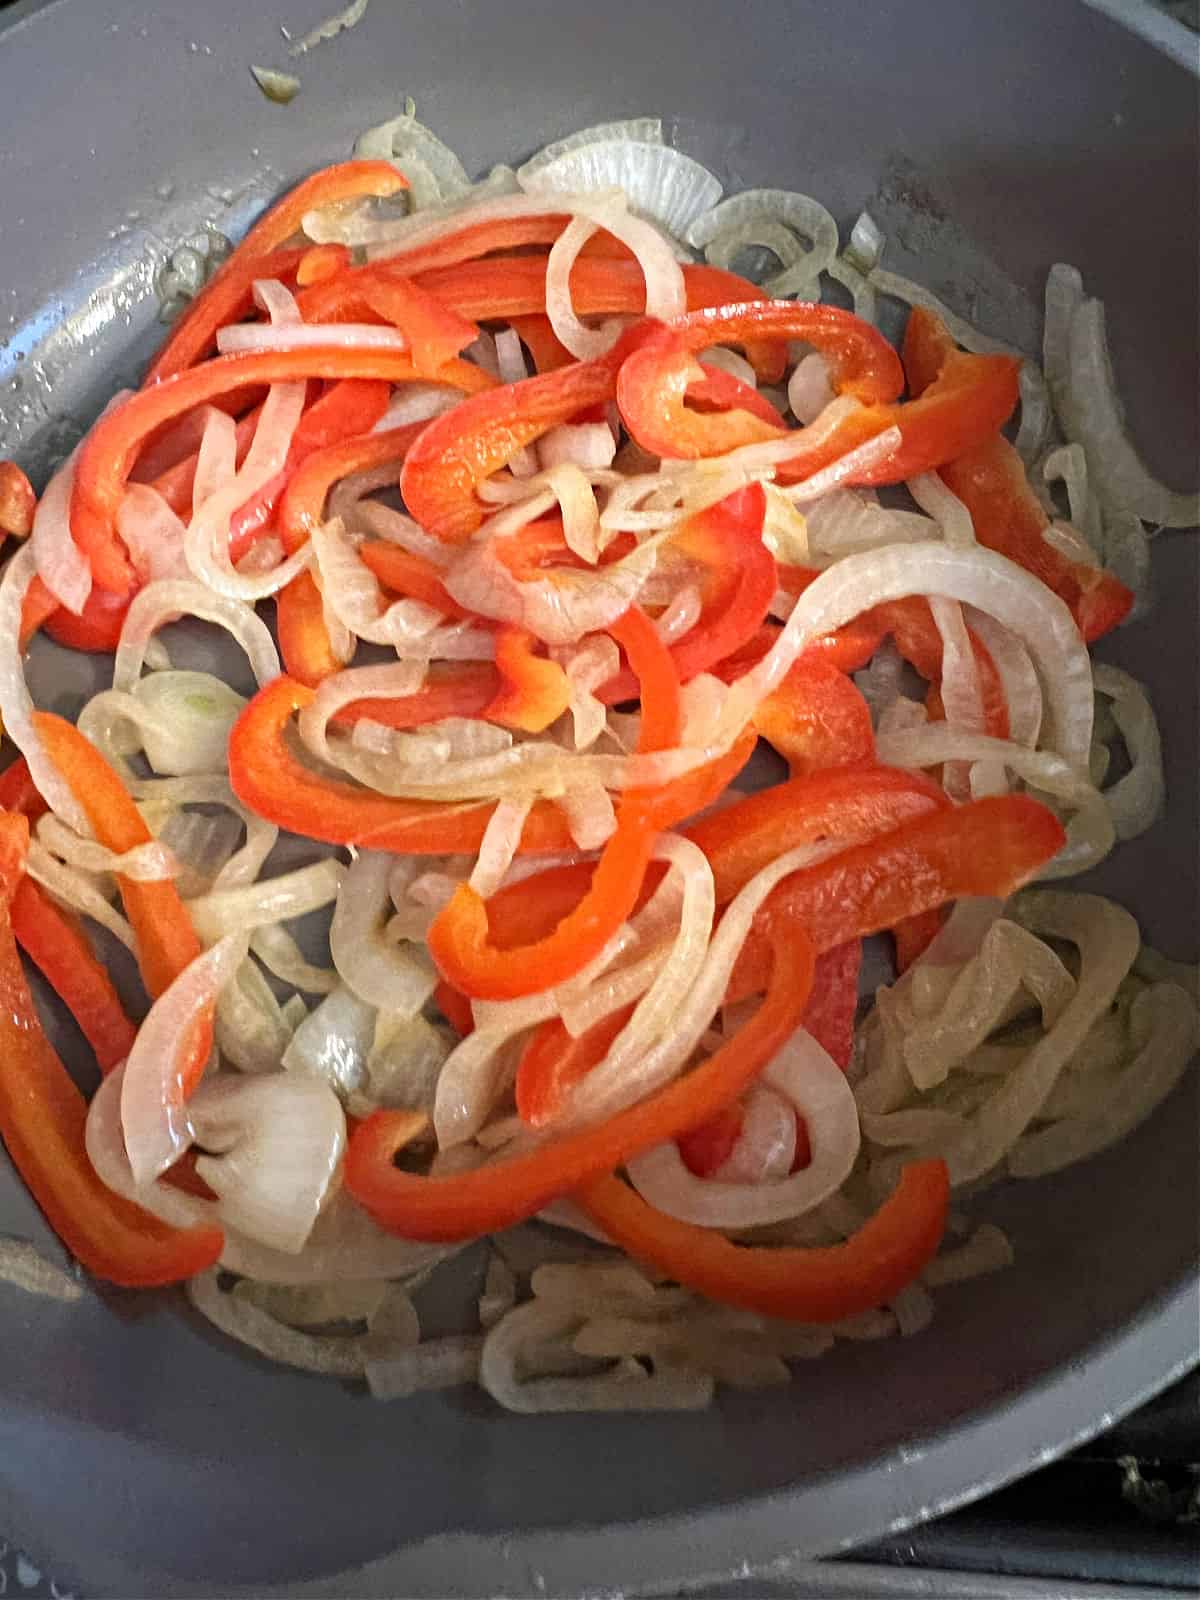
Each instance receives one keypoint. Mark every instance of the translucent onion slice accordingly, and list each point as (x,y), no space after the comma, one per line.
(60,563)
(395,979)
(805,1075)
(222,912)
(662,184)
(1022,691)
(1135,801)
(192,714)
(737,222)
(639,130)
(334,1041)
(170,599)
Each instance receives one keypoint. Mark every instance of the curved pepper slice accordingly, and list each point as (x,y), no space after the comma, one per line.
(534,691)
(450,689)
(268,778)
(304,642)
(406,573)
(988,847)
(552,1062)
(991,481)
(459,939)
(491,1197)
(18,792)
(110,450)
(820,1284)
(57,945)
(42,1121)
(467,444)
(302,507)
(817,718)
(226,297)
(970,398)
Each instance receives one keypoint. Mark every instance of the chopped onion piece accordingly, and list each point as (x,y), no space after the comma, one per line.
(168,600)
(1135,801)
(662,184)
(60,563)
(192,714)
(256,905)
(334,1041)
(739,221)
(809,390)
(394,979)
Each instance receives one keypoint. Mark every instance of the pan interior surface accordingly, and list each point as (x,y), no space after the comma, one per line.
(138,1450)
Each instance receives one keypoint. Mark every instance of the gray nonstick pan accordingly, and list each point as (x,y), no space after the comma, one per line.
(139,1453)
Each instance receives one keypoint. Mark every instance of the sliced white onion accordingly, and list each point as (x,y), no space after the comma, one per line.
(809,390)
(661,183)
(417,232)
(154,1115)
(962,697)
(192,714)
(78,891)
(1135,801)
(408,143)
(152,533)
(356,598)
(975,577)
(434,1364)
(946,509)
(1091,416)
(333,1042)
(60,563)
(170,599)
(245,336)
(282,956)
(1036,415)
(402,1069)
(251,1030)
(216,458)
(151,862)
(866,242)
(396,979)
(590,815)
(255,905)
(24,1267)
(397,680)
(1068,464)
(754,216)
(16,704)
(588,445)
(805,1075)
(1022,691)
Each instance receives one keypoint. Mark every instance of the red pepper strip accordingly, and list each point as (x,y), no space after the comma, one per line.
(406,573)
(534,691)
(108,453)
(719,390)
(304,641)
(18,792)
(226,297)
(459,939)
(507,1191)
(42,1121)
(914,935)
(303,505)
(166,940)
(833,1004)
(817,718)
(704,1149)
(39,605)
(971,397)
(552,1062)
(98,626)
(539,338)
(847,648)
(451,689)
(17,501)
(456,1009)
(820,1284)
(177,483)
(988,847)
(321,261)
(273,783)
(467,444)
(435,331)
(346,410)
(743,838)
(56,944)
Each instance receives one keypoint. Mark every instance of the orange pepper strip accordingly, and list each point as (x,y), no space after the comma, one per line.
(552,1062)
(507,1191)
(820,1284)
(409,574)
(166,939)
(43,1118)
(55,942)
(817,718)
(451,689)
(534,691)
(227,295)
(112,447)
(459,940)
(269,779)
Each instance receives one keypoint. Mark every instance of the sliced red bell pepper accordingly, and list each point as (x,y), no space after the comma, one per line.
(451,689)
(821,1284)
(719,390)
(539,338)
(36,609)
(302,507)
(304,642)
(470,442)
(97,628)
(553,1062)
(166,939)
(177,483)
(504,1192)
(346,410)
(741,839)
(226,297)
(914,935)
(57,945)
(19,793)
(459,939)
(988,847)
(405,573)
(110,450)
(17,501)
(435,331)
(321,261)
(42,1121)
(817,718)
(971,397)
(534,691)
(456,1009)
(702,1150)
(833,1004)
(268,778)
